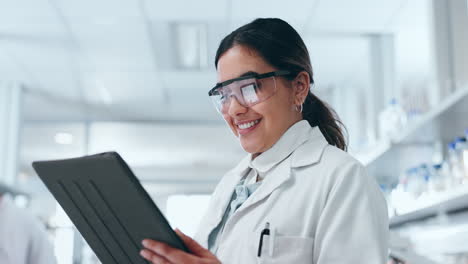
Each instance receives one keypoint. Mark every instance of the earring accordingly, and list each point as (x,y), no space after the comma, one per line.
(299,108)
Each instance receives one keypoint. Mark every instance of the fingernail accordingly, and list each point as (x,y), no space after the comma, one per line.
(143,253)
(145,242)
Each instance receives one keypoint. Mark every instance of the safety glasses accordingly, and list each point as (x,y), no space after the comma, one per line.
(247,90)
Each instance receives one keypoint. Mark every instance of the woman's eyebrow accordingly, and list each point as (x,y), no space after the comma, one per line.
(248,73)
(242,75)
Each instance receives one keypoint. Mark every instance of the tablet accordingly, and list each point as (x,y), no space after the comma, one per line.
(108,205)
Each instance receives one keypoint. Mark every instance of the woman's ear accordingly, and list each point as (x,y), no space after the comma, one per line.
(301,86)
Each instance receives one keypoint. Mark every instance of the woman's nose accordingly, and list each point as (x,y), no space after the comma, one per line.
(235,108)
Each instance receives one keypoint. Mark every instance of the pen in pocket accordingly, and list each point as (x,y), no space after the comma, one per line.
(265,231)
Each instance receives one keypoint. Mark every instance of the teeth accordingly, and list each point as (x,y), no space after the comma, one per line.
(247,125)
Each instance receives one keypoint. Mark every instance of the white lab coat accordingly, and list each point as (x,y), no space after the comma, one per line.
(23,239)
(321,205)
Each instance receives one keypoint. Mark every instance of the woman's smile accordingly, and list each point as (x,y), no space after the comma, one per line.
(245,127)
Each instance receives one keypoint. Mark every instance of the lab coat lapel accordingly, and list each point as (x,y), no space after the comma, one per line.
(279,175)
(223,197)
(311,151)
(308,153)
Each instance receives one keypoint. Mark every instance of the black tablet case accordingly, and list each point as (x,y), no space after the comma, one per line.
(108,205)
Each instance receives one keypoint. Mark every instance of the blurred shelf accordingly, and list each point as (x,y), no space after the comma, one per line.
(439,117)
(443,203)
(446,105)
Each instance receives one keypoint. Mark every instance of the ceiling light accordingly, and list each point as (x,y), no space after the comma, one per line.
(191,45)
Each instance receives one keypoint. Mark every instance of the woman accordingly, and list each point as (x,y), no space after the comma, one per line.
(298,197)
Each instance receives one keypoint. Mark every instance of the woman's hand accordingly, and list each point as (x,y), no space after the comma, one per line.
(160,253)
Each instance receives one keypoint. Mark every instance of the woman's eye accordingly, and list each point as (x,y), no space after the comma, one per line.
(257,85)
(224,97)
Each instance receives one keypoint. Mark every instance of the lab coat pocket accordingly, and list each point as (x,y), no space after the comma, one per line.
(286,249)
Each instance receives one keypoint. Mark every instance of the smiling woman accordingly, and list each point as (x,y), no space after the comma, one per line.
(297,197)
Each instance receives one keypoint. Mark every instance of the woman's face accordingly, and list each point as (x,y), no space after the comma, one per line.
(272,117)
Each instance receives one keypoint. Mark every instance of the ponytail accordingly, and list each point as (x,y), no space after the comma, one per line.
(320,114)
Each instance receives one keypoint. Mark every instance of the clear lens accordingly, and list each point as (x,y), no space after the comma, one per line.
(247,92)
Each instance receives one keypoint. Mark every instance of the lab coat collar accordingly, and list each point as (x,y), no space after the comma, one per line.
(306,145)
(311,151)
(295,136)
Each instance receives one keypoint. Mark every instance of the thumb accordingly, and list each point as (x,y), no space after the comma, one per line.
(193,245)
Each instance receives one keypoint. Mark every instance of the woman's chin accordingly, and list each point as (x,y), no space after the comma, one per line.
(250,147)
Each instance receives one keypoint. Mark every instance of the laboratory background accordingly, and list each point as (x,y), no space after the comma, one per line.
(83,77)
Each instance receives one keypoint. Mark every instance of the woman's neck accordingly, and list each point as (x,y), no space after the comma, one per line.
(256,155)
